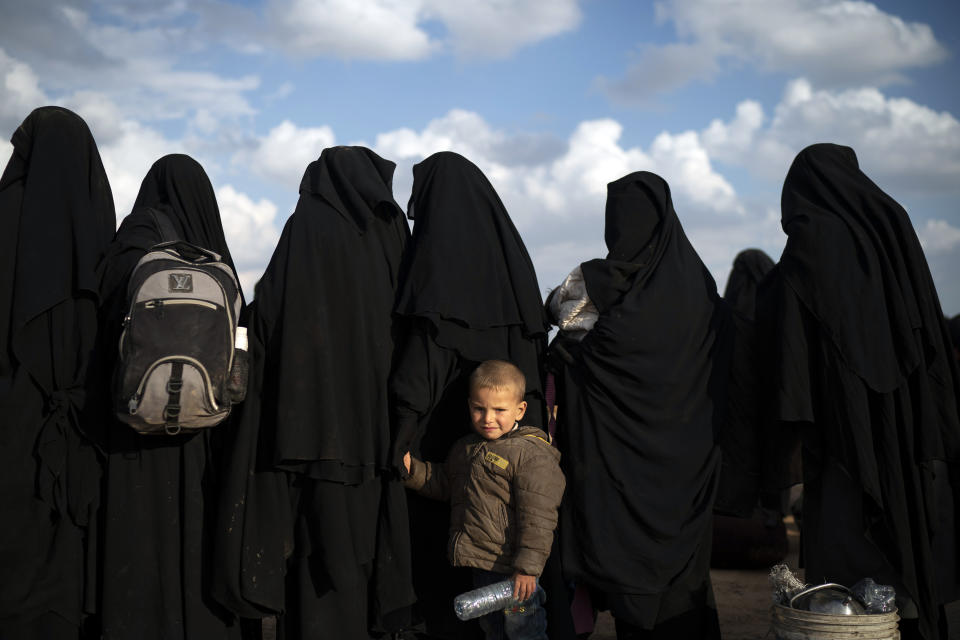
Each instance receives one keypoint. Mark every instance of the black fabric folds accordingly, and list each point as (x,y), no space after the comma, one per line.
(745,441)
(468,294)
(468,282)
(864,370)
(159,492)
(954,326)
(56,219)
(311,526)
(640,401)
(749,268)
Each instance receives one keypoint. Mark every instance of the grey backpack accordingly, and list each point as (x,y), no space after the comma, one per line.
(177,345)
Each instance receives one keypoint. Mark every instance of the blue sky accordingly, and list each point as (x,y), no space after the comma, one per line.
(551,99)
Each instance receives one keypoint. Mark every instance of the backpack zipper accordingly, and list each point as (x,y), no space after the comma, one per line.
(134,402)
(164,302)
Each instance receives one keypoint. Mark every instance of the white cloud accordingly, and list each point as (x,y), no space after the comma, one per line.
(376,29)
(830,41)
(571,184)
(251,233)
(397,29)
(938,236)
(284,153)
(136,63)
(20,92)
(128,157)
(899,143)
(558,201)
(492,28)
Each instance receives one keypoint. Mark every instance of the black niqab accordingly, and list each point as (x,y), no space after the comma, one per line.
(178,187)
(862,353)
(750,448)
(749,268)
(468,294)
(57,216)
(159,491)
(178,184)
(639,401)
(311,526)
(468,269)
(832,212)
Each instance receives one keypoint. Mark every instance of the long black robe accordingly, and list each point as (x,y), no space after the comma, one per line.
(312,525)
(741,438)
(864,371)
(759,459)
(640,400)
(56,219)
(468,294)
(160,492)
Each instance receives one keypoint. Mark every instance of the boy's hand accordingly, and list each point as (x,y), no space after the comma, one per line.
(523,586)
(406,461)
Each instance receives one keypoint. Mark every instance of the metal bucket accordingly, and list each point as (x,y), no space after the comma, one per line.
(795,624)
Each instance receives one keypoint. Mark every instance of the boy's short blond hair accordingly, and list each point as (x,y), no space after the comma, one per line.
(498,374)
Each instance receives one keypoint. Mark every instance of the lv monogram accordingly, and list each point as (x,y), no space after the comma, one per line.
(181,282)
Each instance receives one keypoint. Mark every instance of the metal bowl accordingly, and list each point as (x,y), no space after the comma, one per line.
(830,598)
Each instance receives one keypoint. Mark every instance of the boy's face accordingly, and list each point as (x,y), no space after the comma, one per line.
(493,411)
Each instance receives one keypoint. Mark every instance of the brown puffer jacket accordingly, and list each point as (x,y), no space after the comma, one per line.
(503,495)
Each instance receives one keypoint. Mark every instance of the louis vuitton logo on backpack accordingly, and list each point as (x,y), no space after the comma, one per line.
(180,282)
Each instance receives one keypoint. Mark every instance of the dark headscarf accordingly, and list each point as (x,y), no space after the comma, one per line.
(469,270)
(749,268)
(178,187)
(831,213)
(745,440)
(862,351)
(317,411)
(640,398)
(57,216)
(160,492)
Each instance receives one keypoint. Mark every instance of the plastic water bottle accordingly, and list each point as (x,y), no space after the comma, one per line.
(237,384)
(480,602)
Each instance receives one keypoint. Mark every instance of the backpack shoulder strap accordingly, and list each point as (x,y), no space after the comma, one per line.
(167,231)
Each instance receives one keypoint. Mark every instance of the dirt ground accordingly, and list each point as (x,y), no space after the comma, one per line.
(743,602)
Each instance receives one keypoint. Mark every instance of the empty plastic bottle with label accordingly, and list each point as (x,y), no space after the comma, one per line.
(480,602)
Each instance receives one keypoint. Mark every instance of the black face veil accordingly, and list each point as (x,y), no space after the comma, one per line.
(639,400)
(862,352)
(159,492)
(56,218)
(468,266)
(309,513)
(749,268)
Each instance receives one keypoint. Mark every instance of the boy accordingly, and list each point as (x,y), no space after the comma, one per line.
(504,485)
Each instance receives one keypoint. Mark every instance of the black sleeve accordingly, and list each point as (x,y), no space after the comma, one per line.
(421,373)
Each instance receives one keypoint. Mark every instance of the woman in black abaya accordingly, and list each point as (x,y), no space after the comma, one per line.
(864,372)
(640,400)
(468,294)
(752,473)
(740,439)
(312,522)
(159,491)
(56,219)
